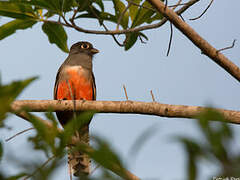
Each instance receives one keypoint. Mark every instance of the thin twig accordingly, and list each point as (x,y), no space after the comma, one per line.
(182,17)
(153,98)
(178,3)
(64,24)
(105,27)
(141,39)
(149,8)
(74,14)
(170,40)
(122,15)
(229,47)
(192,19)
(42,166)
(125,91)
(166,4)
(19,133)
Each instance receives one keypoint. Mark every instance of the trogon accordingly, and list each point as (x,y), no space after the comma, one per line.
(75,81)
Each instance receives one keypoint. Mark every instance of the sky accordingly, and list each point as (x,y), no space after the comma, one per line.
(185,77)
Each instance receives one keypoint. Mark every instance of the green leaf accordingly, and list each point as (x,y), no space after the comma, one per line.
(192,147)
(194,151)
(56,34)
(15,10)
(217,134)
(42,4)
(83,4)
(133,9)
(74,125)
(61,5)
(57,6)
(49,14)
(100,4)
(155,17)
(11,27)
(66,5)
(119,8)
(104,155)
(44,139)
(143,14)
(103,16)
(51,117)
(18,176)
(8,94)
(131,38)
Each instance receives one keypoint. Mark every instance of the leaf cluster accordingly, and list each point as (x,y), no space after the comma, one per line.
(57,14)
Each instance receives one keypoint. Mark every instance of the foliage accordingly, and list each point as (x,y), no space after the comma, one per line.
(8,93)
(53,142)
(53,14)
(214,147)
(217,140)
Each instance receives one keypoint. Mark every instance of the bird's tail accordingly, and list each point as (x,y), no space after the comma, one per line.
(79,163)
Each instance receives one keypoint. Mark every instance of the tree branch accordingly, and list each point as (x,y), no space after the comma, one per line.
(124,31)
(122,15)
(131,107)
(201,43)
(198,17)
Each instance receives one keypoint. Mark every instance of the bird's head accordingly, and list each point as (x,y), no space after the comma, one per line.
(83,47)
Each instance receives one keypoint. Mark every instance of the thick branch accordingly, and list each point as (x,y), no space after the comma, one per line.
(205,47)
(133,107)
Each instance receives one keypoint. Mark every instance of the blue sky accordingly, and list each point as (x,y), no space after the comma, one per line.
(184,77)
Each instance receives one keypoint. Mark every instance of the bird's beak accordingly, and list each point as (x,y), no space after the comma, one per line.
(94,51)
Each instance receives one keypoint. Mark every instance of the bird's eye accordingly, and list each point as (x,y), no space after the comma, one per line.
(84,46)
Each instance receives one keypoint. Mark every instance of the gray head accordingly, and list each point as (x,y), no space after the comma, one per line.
(81,53)
(83,47)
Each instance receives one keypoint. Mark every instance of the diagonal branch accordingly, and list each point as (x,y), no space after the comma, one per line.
(38,169)
(178,3)
(201,43)
(132,107)
(19,133)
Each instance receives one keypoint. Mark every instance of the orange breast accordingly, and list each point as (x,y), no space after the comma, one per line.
(76,87)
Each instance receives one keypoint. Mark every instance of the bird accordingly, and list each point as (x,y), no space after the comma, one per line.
(75,81)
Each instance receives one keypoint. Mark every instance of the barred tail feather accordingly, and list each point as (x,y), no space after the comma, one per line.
(79,163)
